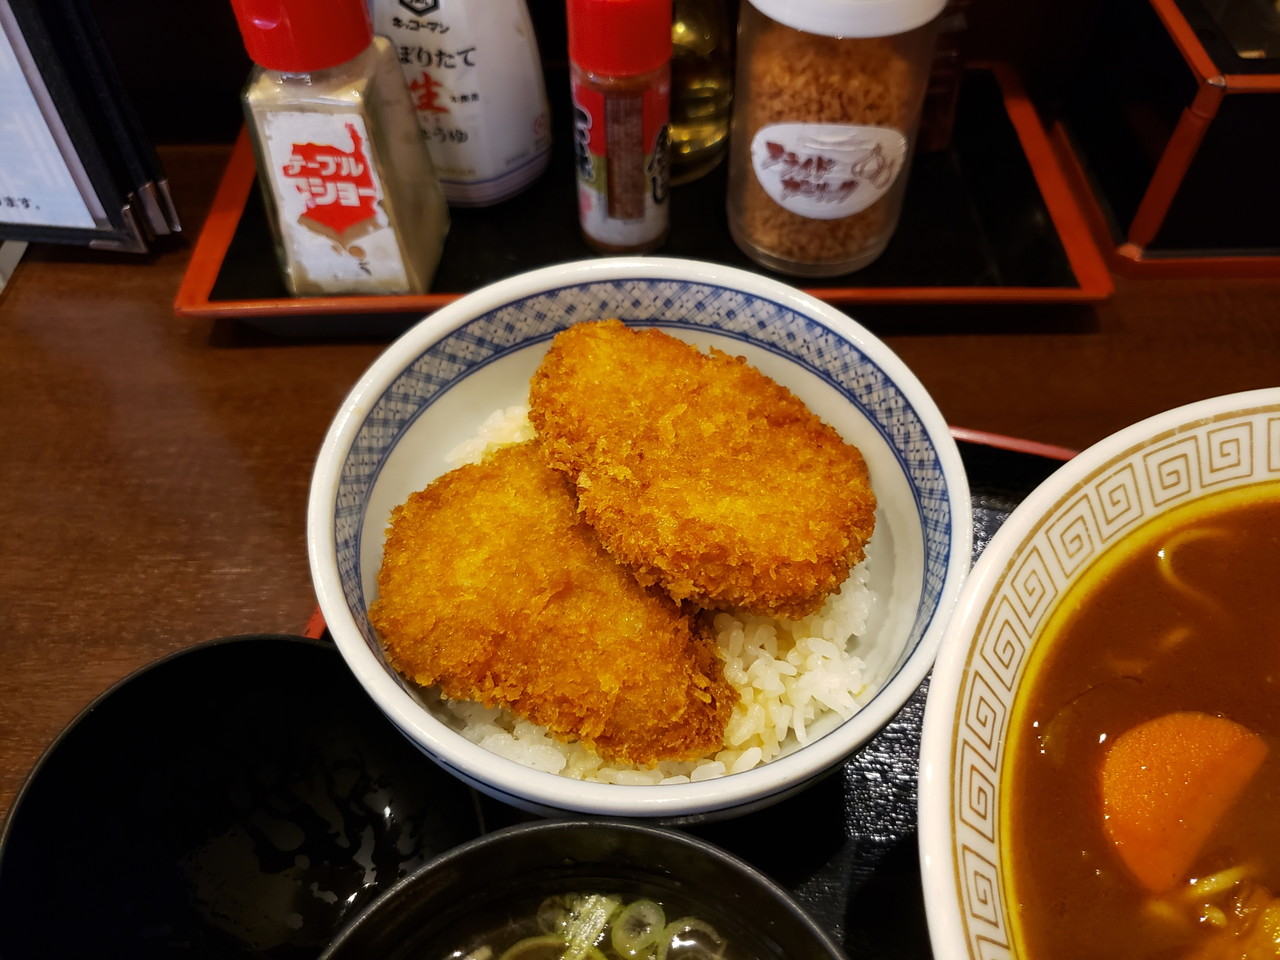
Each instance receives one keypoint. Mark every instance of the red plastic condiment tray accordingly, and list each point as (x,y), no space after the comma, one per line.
(1084,276)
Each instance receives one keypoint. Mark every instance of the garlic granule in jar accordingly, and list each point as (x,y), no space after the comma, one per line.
(824,122)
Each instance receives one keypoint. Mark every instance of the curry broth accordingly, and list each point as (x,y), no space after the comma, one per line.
(1144,633)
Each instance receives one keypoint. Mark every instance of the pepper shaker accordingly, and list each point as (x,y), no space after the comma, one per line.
(350,190)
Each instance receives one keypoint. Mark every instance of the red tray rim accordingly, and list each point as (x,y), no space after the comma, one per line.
(1093,279)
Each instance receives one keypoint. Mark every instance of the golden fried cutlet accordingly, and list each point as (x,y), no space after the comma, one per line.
(700,473)
(494,588)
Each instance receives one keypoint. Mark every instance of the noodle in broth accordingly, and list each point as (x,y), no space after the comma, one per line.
(1180,620)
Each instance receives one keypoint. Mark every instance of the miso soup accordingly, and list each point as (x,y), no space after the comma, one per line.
(602,924)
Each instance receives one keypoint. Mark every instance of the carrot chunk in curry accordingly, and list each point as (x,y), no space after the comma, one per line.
(1165,785)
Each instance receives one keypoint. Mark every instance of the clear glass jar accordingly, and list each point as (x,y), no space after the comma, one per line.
(701,87)
(825,112)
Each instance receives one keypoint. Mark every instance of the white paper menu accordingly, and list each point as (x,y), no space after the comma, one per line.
(42,181)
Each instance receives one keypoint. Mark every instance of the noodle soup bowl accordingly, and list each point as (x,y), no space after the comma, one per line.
(433,388)
(1102,504)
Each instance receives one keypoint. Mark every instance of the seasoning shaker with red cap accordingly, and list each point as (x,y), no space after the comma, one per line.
(620,75)
(350,189)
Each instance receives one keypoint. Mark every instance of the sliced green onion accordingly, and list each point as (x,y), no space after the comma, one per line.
(543,947)
(636,930)
(553,913)
(690,938)
(587,921)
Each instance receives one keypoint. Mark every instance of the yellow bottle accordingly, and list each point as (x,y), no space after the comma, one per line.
(701,87)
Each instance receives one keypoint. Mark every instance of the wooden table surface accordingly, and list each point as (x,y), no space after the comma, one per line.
(155,468)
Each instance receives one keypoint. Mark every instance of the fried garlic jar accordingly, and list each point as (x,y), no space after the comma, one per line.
(827,102)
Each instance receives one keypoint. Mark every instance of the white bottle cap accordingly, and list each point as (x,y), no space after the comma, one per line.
(851,18)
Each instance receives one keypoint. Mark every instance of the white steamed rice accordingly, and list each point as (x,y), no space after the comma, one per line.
(797,679)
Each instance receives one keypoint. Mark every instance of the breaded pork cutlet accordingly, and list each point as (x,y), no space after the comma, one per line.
(493,587)
(698,472)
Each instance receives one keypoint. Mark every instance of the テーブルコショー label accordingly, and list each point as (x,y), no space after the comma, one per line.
(826,171)
(333,219)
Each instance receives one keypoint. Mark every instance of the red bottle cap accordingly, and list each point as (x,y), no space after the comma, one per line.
(619,37)
(299,36)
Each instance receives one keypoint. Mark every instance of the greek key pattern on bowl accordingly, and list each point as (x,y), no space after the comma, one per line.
(978,786)
(985,916)
(1233,449)
(761,322)
(1003,648)
(1119,500)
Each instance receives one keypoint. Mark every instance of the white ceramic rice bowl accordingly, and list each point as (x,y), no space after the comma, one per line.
(1047,543)
(434,386)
